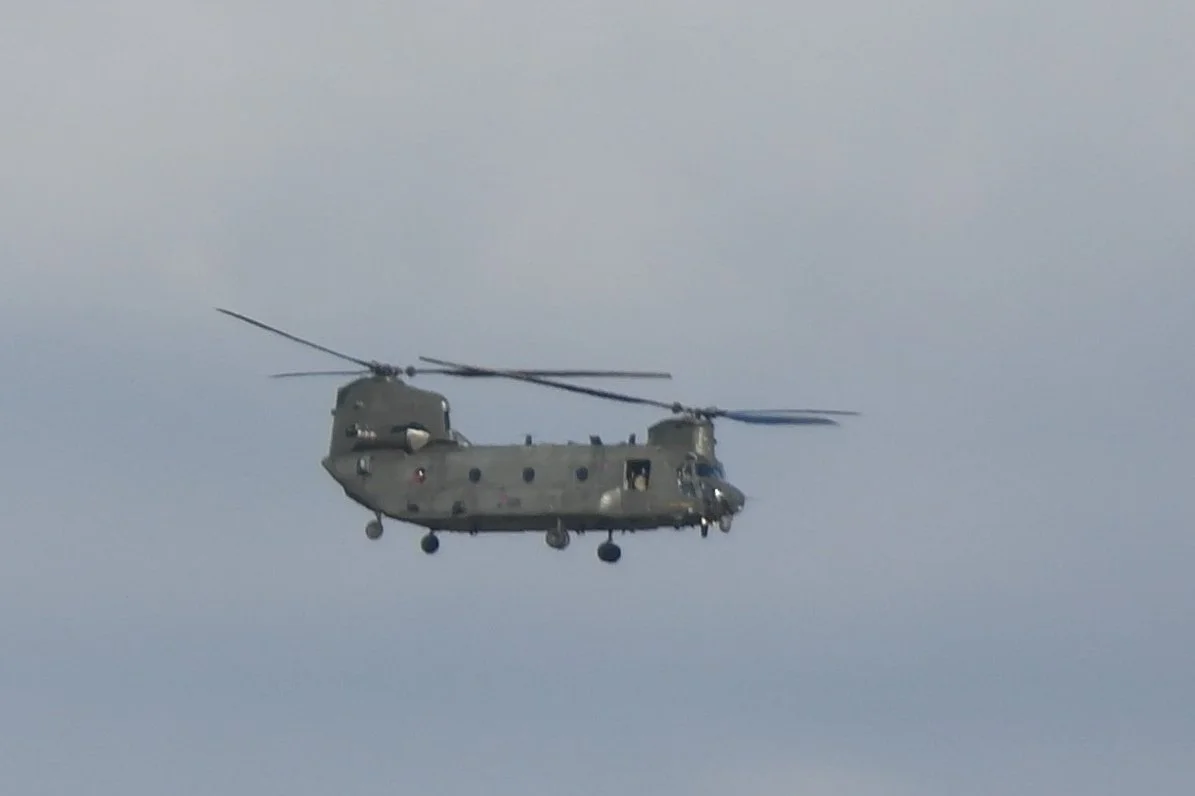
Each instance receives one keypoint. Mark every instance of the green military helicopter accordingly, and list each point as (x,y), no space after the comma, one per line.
(394,451)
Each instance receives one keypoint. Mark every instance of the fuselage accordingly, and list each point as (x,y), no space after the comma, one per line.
(394,451)
(578,486)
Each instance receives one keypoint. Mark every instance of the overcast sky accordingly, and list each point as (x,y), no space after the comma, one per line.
(972,224)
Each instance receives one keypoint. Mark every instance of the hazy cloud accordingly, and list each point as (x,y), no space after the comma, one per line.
(972,224)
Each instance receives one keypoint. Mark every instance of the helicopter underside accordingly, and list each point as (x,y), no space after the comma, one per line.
(494,523)
(558,529)
(685,514)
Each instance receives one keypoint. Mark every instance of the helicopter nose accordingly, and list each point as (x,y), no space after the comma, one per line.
(733,497)
(737,499)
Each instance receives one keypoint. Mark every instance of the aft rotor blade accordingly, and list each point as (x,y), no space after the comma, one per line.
(300,340)
(560,385)
(761,419)
(563,374)
(841,412)
(580,374)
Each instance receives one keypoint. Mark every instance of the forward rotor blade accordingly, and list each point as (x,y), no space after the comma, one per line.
(560,385)
(318,373)
(300,340)
(788,417)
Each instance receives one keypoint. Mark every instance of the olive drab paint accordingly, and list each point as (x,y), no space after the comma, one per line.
(394,451)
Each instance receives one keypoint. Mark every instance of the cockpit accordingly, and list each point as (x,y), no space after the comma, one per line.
(691,476)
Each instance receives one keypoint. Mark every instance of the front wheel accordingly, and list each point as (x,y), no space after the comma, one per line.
(609,552)
(557,538)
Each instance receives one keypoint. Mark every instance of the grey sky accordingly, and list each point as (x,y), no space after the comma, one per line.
(971,224)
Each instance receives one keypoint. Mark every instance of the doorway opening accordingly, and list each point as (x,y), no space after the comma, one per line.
(638,474)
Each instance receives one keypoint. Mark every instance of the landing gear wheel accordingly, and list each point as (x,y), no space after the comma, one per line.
(429,543)
(373,530)
(725,522)
(609,552)
(557,538)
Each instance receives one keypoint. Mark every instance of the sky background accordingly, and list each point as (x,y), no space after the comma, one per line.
(971,223)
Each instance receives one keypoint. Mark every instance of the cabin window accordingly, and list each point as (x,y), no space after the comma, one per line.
(364,466)
(684,479)
(475,475)
(528,474)
(420,475)
(638,474)
(582,473)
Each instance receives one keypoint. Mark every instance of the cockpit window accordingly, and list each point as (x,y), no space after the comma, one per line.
(705,470)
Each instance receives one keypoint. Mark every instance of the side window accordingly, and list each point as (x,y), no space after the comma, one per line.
(638,474)
(684,479)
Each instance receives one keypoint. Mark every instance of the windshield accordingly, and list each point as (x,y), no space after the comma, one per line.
(705,470)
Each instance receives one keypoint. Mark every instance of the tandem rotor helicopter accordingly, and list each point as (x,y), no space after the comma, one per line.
(394,451)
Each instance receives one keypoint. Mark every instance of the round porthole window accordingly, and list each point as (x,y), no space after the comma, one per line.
(582,473)
(528,474)
(475,475)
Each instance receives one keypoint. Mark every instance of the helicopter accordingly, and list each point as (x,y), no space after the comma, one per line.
(395,452)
